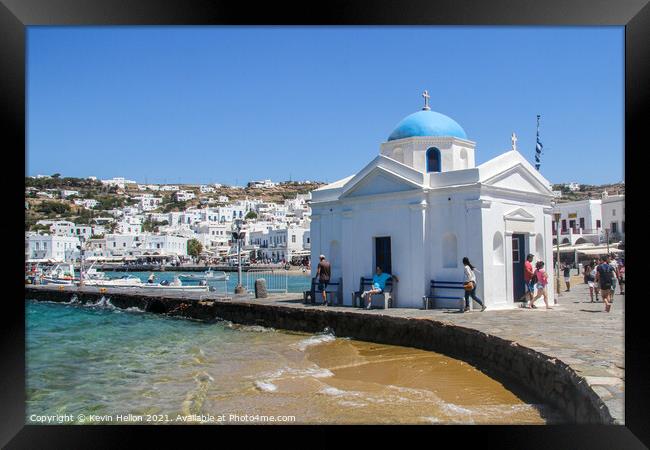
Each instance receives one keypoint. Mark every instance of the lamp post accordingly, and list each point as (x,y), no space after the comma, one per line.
(238,236)
(607,239)
(557,216)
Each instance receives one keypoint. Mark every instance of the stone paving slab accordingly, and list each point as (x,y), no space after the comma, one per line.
(575,331)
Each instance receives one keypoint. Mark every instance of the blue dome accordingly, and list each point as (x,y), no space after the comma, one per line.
(427,123)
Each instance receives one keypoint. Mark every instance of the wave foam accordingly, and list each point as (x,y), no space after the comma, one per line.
(314,340)
(266,386)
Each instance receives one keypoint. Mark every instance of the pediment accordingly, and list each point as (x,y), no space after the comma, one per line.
(518,178)
(519,214)
(380,181)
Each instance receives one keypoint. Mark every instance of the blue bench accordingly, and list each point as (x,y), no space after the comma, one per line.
(333,287)
(437,301)
(386,297)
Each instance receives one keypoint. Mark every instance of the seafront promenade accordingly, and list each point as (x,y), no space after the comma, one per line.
(572,355)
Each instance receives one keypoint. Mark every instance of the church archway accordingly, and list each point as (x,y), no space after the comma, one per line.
(449,251)
(497,249)
(565,241)
(581,241)
(433,160)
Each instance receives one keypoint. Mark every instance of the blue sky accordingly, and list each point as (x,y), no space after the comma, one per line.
(231,104)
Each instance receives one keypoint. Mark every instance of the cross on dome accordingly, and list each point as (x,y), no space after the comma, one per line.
(426,96)
(514,141)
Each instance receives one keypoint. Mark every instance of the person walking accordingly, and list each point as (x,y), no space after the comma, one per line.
(621,276)
(541,281)
(529,286)
(567,277)
(470,285)
(323,272)
(590,278)
(604,274)
(612,262)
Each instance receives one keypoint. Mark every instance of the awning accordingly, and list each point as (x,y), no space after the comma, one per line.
(600,251)
(589,249)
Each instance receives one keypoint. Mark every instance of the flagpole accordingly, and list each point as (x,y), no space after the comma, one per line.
(538,147)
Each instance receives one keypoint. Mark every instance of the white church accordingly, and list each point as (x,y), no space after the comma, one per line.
(423,204)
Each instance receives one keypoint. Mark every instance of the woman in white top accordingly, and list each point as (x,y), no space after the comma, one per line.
(471,278)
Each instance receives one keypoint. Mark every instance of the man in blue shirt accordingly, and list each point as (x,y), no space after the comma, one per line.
(379,280)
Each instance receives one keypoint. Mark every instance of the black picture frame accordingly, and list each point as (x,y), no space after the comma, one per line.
(16,15)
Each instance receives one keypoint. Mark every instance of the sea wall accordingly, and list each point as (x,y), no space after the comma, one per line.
(545,377)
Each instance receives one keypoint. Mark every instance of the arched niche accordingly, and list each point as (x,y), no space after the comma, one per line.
(497,249)
(449,251)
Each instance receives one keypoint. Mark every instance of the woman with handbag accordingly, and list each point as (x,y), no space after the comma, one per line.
(470,285)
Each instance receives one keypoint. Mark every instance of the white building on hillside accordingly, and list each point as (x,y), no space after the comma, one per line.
(43,247)
(423,204)
(120,182)
(88,203)
(183,196)
(261,184)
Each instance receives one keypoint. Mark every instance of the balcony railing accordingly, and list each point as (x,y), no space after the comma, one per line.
(580,231)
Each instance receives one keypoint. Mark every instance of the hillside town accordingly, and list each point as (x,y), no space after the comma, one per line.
(120,221)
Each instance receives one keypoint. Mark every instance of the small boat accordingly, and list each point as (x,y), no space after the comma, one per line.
(60,274)
(125,281)
(176,285)
(207,275)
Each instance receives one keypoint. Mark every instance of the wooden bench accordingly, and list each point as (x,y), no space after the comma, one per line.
(333,287)
(386,297)
(437,301)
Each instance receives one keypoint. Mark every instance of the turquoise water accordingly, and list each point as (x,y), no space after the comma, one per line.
(99,361)
(295,283)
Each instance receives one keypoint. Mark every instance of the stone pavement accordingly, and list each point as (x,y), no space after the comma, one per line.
(575,331)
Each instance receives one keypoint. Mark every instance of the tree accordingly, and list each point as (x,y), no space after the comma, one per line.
(56,175)
(251,215)
(194,248)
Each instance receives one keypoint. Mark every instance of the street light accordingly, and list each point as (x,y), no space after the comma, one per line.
(607,239)
(557,216)
(237,236)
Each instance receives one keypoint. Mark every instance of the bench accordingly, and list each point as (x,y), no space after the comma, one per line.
(436,301)
(385,298)
(333,287)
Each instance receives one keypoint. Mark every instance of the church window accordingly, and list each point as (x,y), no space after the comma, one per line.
(433,160)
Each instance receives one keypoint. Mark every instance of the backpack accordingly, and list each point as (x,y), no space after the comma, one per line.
(607,276)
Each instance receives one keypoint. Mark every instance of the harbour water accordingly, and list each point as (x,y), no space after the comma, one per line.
(103,361)
(295,282)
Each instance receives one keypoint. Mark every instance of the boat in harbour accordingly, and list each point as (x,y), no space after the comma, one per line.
(207,275)
(175,285)
(60,274)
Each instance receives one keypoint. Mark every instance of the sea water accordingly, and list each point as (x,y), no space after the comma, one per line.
(296,283)
(95,363)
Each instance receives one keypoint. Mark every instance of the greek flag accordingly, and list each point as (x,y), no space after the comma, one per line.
(538,148)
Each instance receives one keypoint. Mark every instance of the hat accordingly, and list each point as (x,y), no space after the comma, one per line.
(321,257)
